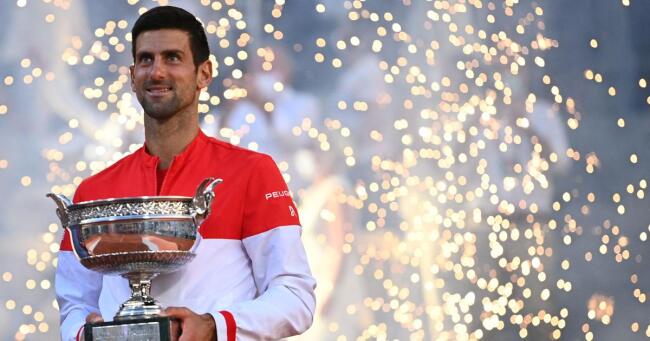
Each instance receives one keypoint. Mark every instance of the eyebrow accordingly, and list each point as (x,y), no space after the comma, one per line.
(164,52)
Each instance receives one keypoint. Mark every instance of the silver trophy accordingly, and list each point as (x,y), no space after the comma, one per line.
(137,238)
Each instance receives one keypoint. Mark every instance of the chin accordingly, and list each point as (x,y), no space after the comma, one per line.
(160,111)
(159,116)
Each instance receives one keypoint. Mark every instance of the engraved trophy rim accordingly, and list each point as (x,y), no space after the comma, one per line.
(130,208)
(129,200)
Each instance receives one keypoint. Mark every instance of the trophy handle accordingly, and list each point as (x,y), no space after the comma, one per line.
(62,211)
(202,200)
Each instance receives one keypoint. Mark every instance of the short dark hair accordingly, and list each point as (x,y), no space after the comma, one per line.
(170,17)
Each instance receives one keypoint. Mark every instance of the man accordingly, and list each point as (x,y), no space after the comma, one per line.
(250,278)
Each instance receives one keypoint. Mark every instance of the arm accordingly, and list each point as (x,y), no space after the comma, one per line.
(271,237)
(285,308)
(77,289)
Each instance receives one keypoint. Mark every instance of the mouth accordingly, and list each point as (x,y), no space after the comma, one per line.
(158,90)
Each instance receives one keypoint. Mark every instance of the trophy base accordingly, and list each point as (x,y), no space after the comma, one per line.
(157,328)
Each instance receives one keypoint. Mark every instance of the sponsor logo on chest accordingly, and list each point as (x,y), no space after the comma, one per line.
(277,194)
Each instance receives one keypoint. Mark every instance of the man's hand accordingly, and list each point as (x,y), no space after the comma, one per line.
(192,325)
(94,318)
(91,318)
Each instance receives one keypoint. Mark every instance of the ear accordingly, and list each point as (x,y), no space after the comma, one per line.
(132,72)
(204,74)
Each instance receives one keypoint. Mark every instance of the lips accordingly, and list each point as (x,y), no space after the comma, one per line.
(158,89)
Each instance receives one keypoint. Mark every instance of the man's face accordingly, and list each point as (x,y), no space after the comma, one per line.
(163,76)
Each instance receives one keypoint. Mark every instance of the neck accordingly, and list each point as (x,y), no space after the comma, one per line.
(168,138)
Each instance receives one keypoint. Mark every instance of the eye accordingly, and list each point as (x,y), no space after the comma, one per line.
(173,58)
(145,59)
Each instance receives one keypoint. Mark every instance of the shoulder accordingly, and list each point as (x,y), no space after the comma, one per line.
(254,169)
(236,155)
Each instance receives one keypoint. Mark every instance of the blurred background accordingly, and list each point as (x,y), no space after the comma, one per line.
(464,169)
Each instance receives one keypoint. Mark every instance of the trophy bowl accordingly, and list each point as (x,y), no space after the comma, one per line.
(137,238)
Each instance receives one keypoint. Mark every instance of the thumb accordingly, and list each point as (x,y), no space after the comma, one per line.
(94,318)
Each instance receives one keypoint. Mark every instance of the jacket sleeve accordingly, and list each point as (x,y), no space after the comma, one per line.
(77,289)
(286,302)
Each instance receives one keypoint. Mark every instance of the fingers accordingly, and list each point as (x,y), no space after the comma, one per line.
(178,312)
(191,326)
(175,329)
(94,318)
(91,318)
(178,316)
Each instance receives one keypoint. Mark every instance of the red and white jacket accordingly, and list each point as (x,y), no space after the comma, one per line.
(250,271)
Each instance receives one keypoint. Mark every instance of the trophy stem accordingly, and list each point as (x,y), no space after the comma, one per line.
(141,304)
(141,290)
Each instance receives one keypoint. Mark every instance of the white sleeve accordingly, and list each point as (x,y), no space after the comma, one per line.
(77,292)
(286,302)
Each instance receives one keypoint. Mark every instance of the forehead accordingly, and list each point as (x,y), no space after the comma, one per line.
(162,40)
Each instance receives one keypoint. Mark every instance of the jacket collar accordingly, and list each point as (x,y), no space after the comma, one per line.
(150,160)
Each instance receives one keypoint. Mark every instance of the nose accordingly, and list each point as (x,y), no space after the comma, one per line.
(157,70)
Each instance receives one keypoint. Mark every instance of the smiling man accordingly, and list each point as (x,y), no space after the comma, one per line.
(250,278)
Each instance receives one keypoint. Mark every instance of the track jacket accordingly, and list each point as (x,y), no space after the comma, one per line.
(250,271)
